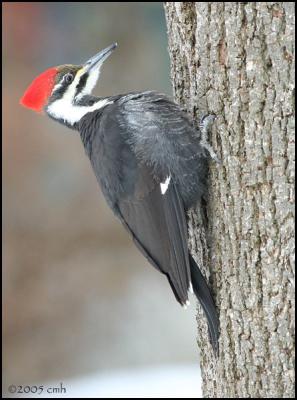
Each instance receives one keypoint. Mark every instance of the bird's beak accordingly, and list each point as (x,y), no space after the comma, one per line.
(97,60)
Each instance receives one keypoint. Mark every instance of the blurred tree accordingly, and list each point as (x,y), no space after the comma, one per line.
(236,60)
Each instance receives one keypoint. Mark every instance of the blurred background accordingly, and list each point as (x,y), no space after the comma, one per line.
(79,299)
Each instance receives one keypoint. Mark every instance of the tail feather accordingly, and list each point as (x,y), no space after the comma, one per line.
(204,295)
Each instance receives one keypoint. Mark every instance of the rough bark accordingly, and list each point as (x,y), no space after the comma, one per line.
(236,60)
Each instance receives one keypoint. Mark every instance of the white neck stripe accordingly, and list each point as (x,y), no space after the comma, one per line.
(63,109)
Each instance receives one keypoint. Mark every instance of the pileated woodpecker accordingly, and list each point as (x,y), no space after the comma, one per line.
(149,160)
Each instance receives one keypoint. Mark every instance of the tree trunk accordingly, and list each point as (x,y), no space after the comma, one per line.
(236,60)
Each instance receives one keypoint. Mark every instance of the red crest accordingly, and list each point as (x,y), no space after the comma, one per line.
(37,94)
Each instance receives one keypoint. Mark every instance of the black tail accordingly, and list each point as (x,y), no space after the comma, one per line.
(203,294)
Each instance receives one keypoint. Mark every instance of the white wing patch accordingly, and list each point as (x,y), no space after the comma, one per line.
(164,186)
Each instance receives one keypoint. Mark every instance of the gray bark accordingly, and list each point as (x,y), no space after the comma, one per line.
(236,60)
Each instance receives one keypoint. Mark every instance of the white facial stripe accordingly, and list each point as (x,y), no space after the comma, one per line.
(64,109)
(164,186)
(70,92)
(91,82)
(57,86)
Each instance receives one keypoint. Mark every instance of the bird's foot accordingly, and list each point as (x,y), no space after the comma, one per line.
(205,125)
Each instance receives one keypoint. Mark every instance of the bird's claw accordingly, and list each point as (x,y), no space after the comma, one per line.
(205,125)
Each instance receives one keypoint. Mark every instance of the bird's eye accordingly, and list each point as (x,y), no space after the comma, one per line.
(68,78)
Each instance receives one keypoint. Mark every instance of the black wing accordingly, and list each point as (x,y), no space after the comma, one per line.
(158,226)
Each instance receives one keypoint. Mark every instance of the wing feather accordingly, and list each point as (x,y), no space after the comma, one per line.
(158,225)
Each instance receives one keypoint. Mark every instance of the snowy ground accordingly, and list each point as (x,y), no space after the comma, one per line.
(170,381)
